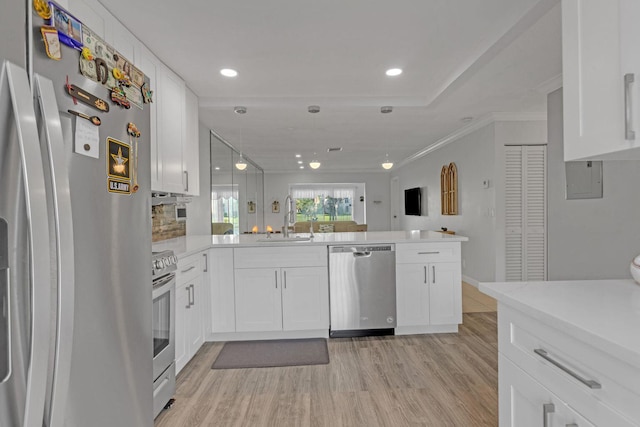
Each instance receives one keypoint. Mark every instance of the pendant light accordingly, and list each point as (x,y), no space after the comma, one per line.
(240,164)
(387,164)
(313,109)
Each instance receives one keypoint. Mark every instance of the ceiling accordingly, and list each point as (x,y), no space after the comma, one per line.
(461,58)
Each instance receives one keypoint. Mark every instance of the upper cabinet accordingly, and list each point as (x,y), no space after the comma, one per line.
(601,76)
(174,110)
(190,148)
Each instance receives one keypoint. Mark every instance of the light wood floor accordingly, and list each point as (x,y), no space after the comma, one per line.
(416,380)
(474,301)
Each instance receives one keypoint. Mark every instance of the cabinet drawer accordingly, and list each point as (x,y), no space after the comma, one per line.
(547,354)
(307,256)
(188,268)
(413,253)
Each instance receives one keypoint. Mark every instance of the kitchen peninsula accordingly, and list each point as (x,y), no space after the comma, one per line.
(238,287)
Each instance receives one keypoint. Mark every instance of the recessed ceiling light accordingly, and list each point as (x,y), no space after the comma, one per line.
(301,167)
(392,72)
(299,162)
(298,156)
(217,168)
(228,72)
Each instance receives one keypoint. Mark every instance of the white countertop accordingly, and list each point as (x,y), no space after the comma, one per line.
(604,313)
(187,245)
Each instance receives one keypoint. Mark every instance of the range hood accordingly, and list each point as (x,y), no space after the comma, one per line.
(168,199)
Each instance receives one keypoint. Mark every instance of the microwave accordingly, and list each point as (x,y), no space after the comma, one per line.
(181,212)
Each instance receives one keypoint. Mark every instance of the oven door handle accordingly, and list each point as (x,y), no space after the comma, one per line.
(161,286)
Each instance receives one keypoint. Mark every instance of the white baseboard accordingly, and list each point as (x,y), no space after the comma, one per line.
(470,280)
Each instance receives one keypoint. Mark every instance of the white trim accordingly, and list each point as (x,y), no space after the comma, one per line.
(553,84)
(426,329)
(473,126)
(267,335)
(470,280)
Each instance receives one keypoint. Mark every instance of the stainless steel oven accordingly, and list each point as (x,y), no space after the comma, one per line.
(164,293)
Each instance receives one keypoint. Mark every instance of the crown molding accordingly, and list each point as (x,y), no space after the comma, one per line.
(472,127)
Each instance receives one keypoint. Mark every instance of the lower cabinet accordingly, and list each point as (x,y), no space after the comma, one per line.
(524,402)
(281,299)
(189,310)
(428,294)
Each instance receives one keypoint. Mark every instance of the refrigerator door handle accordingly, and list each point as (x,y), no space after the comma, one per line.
(58,181)
(14,86)
(5,304)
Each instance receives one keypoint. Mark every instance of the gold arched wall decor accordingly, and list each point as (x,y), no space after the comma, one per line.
(449,189)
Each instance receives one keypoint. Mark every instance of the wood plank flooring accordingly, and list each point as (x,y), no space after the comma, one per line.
(416,380)
(474,301)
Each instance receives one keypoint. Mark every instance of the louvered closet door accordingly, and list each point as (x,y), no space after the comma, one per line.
(525,203)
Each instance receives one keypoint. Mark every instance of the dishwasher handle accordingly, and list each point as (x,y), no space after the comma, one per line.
(364,254)
(361,250)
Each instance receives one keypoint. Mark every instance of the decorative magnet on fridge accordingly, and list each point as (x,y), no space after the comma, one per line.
(147,93)
(51,42)
(42,9)
(69,28)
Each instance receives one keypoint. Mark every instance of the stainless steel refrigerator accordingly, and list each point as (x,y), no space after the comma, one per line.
(75,279)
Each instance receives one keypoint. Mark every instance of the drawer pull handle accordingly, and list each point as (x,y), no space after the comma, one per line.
(629,133)
(571,425)
(589,383)
(188,269)
(429,253)
(547,408)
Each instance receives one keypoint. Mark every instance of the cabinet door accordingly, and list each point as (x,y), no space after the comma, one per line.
(305,298)
(258,300)
(181,325)
(523,402)
(599,46)
(170,136)
(194,317)
(412,294)
(150,64)
(191,147)
(445,293)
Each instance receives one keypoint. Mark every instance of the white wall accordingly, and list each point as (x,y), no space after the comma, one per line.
(276,187)
(590,238)
(199,210)
(473,155)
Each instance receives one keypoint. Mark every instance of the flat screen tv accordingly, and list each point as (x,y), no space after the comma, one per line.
(412,201)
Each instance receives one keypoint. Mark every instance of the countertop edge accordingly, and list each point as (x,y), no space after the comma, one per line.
(624,353)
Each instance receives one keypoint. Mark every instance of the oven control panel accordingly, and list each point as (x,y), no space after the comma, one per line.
(163,263)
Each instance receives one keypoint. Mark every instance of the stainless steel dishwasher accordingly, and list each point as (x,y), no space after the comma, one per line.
(362,290)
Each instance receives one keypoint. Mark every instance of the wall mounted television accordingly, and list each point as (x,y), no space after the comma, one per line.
(413,201)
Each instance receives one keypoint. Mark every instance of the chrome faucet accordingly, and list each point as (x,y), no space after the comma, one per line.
(288,203)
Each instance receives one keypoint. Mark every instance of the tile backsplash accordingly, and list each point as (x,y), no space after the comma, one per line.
(164,224)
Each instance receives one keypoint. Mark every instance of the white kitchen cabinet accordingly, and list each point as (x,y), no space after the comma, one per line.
(281,289)
(599,48)
(428,294)
(222,315)
(541,364)
(170,133)
(305,296)
(190,304)
(258,300)
(428,287)
(529,404)
(150,65)
(281,299)
(191,145)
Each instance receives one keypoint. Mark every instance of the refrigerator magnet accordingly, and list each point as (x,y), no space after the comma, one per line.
(51,42)
(147,93)
(69,28)
(42,9)
(118,159)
